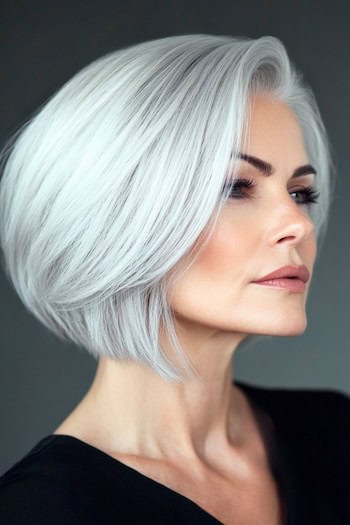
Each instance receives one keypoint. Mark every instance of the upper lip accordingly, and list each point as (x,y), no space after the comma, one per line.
(300,272)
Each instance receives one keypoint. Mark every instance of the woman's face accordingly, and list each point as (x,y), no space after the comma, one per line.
(267,229)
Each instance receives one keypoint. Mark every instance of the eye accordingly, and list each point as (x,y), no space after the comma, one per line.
(306,195)
(235,188)
(309,195)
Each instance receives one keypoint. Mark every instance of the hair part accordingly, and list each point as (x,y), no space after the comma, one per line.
(106,189)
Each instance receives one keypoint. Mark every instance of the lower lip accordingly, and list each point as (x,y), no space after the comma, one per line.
(293,285)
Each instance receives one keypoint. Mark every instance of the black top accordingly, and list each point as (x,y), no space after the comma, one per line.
(64,481)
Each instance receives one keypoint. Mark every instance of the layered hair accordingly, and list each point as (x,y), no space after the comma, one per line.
(108,186)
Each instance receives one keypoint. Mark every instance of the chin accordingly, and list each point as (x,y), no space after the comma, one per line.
(293,328)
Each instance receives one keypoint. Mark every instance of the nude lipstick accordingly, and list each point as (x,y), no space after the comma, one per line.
(292,278)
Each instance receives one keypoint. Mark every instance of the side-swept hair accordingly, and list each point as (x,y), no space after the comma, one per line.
(106,189)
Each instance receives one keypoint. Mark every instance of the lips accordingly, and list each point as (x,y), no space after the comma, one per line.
(287,272)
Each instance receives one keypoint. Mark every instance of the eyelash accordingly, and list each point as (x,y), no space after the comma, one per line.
(311,195)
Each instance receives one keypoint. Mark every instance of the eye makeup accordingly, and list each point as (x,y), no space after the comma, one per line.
(308,193)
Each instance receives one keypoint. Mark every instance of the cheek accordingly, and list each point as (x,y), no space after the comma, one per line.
(227,253)
(214,280)
(223,262)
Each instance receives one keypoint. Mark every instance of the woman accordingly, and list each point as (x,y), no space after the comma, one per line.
(145,210)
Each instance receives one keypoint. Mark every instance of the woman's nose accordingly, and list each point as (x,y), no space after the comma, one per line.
(291,224)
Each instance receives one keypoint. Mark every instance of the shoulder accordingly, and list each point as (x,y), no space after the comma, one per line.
(60,481)
(36,488)
(322,413)
(314,433)
(314,400)
(63,480)
(318,406)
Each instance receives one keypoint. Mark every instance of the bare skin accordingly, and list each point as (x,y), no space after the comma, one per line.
(201,438)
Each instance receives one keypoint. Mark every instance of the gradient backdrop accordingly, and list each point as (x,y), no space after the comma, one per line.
(42,46)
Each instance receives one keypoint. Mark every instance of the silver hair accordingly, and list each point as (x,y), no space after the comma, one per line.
(107,187)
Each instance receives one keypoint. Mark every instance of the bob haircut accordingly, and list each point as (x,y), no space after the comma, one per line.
(109,185)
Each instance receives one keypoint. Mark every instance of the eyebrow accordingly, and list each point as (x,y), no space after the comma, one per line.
(267,169)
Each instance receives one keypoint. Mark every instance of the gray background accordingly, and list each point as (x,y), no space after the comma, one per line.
(42,379)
